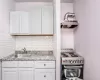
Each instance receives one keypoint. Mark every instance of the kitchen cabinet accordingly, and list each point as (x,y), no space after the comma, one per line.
(45,64)
(47,20)
(26,74)
(39,21)
(18,70)
(45,74)
(9,64)
(28,70)
(26,64)
(44,70)
(14,22)
(24,23)
(9,74)
(35,19)
(19,22)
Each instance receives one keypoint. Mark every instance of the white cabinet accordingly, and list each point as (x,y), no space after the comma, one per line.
(45,74)
(39,21)
(47,20)
(9,64)
(24,23)
(44,70)
(35,19)
(28,70)
(26,64)
(26,74)
(14,22)
(19,22)
(45,64)
(9,74)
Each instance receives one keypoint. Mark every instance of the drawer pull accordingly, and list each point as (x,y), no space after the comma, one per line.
(44,75)
(44,64)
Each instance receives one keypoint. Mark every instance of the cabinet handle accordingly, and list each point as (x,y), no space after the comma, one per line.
(44,75)
(44,64)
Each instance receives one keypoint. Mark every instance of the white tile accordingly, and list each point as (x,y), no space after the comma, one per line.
(34,42)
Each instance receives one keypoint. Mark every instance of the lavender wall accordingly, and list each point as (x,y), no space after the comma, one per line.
(7,42)
(67,36)
(87,38)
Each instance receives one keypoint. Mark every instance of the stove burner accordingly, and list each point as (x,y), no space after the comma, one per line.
(64,55)
(73,55)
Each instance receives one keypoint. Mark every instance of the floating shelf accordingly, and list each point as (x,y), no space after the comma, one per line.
(69,24)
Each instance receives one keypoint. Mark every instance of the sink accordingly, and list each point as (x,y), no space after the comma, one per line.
(24,55)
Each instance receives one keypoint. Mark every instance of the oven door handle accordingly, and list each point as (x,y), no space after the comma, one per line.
(73,67)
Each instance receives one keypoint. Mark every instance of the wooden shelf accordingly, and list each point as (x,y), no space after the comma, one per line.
(31,34)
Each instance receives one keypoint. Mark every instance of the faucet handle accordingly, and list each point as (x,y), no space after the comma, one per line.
(24,50)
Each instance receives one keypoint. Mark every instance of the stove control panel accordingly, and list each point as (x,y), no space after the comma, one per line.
(72,61)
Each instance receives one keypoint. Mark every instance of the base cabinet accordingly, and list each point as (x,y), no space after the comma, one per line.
(28,70)
(26,74)
(9,74)
(45,74)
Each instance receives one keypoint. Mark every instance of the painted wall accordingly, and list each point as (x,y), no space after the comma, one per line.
(7,42)
(28,6)
(87,38)
(67,36)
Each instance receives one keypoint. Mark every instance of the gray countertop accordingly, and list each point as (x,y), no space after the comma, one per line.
(33,56)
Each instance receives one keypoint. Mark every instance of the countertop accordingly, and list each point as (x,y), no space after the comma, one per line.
(34,56)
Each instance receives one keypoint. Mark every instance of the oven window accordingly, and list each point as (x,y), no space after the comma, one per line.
(71,72)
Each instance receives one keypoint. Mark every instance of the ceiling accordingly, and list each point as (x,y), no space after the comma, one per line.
(67,1)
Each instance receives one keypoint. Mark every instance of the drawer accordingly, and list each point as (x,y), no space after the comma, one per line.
(44,64)
(11,64)
(45,74)
(27,64)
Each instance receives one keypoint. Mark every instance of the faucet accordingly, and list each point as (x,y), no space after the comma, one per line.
(24,50)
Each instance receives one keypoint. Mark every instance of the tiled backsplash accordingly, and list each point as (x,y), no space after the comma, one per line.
(34,42)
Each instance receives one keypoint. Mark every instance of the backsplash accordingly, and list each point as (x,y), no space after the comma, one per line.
(34,42)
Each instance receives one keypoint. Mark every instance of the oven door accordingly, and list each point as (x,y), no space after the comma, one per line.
(72,71)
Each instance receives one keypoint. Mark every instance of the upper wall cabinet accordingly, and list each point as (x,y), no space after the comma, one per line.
(47,20)
(35,21)
(14,22)
(24,23)
(19,22)
(39,21)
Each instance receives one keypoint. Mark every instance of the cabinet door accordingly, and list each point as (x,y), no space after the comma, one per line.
(47,20)
(9,74)
(26,74)
(24,22)
(14,22)
(9,64)
(45,74)
(35,17)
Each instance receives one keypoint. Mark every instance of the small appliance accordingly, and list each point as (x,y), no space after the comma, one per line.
(69,21)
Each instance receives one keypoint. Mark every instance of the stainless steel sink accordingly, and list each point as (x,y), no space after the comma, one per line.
(24,55)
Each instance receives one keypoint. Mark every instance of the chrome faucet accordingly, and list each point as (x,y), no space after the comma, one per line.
(24,50)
